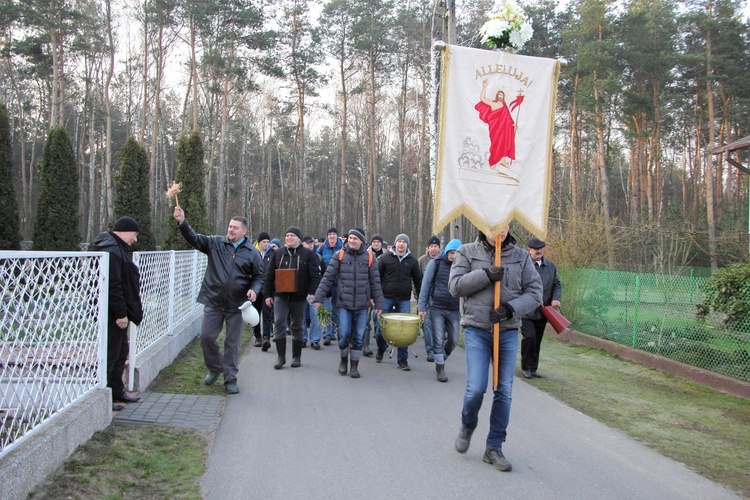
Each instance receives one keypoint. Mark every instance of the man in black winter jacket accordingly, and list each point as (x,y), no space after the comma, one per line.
(124,301)
(234,274)
(292,277)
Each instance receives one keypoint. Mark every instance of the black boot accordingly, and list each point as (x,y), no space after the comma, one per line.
(266,344)
(296,353)
(441,376)
(354,373)
(281,350)
(343,365)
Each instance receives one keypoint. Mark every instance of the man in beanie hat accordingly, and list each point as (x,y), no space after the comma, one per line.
(124,301)
(472,278)
(359,287)
(432,250)
(399,271)
(376,245)
(330,247)
(234,274)
(263,329)
(534,323)
(435,299)
(292,277)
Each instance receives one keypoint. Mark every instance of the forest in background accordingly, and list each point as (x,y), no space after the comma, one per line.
(317,114)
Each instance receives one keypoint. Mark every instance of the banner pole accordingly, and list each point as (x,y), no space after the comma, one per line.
(496,326)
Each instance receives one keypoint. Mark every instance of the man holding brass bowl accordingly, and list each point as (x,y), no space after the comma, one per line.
(473,277)
(399,274)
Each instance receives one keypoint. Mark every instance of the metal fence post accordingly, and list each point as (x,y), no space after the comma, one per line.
(692,283)
(635,307)
(132,334)
(103,317)
(170,327)
(133,338)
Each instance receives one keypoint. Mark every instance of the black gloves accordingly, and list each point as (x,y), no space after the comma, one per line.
(502,313)
(495,273)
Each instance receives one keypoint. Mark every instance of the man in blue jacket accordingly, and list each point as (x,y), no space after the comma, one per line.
(435,298)
(234,274)
(330,246)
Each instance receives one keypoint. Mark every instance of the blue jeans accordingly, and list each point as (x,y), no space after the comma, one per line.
(445,326)
(427,332)
(311,313)
(478,360)
(389,306)
(352,323)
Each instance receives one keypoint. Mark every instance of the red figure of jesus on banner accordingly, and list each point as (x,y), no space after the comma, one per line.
(502,128)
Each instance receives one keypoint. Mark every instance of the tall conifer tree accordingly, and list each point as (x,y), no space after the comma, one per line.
(57,217)
(131,191)
(190,174)
(10,234)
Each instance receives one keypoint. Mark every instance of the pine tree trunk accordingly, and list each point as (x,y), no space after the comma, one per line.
(155,125)
(107,181)
(709,157)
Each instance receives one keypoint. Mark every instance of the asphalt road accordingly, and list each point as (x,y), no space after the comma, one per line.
(311,433)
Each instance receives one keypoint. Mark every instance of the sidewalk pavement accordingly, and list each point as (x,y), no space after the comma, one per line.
(310,433)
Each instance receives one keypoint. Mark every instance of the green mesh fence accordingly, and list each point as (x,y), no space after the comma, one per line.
(655,313)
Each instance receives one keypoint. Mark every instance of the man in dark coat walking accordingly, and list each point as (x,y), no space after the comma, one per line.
(292,277)
(534,323)
(359,289)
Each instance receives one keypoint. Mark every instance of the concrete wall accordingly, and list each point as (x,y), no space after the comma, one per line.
(48,447)
(160,355)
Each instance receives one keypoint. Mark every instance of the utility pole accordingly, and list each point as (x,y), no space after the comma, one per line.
(443,29)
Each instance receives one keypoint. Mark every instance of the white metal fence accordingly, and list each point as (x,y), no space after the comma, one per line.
(170,282)
(53,331)
(53,326)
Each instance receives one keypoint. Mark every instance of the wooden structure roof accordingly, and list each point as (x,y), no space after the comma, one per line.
(734,146)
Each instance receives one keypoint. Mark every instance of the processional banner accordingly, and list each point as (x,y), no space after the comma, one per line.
(495,131)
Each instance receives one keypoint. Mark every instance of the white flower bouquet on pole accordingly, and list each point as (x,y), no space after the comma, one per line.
(507,28)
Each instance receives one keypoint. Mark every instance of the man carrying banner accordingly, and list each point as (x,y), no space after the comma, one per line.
(491,179)
(472,278)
